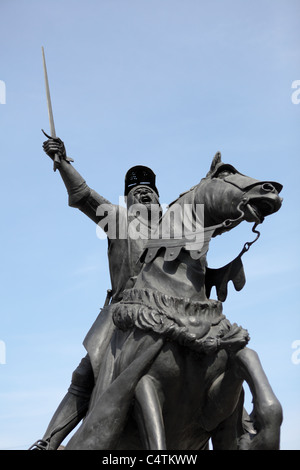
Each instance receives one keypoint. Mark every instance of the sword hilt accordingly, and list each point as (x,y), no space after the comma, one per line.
(56,158)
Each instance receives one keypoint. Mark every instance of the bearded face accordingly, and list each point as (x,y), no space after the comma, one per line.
(142,195)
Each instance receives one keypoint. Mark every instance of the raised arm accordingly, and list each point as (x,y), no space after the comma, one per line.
(80,194)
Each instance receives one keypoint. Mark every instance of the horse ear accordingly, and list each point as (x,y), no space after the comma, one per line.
(216,160)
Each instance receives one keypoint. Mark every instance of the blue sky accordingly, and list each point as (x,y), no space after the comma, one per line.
(160,83)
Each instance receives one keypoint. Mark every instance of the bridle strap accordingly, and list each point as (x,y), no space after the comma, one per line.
(247,245)
(176,242)
(197,248)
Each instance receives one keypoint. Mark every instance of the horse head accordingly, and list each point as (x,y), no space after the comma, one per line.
(227,194)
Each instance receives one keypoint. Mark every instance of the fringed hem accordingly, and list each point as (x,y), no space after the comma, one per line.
(200,326)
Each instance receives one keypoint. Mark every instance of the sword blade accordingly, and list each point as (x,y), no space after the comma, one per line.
(56,160)
(49,105)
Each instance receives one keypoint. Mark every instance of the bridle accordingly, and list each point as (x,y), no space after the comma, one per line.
(173,246)
(228,223)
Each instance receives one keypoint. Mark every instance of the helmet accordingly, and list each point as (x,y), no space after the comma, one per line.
(139,175)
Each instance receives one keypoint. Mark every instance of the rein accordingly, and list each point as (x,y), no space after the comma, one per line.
(229,222)
(196,248)
(247,245)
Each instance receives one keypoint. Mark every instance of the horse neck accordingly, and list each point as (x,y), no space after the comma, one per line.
(185,276)
(185,214)
(201,201)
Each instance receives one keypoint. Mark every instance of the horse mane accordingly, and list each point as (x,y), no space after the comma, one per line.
(181,195)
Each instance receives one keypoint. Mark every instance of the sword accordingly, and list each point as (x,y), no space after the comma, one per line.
(56,159)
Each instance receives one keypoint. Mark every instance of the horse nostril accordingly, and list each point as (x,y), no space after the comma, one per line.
(268,187)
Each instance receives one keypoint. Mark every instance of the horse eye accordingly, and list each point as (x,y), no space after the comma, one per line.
(224,173)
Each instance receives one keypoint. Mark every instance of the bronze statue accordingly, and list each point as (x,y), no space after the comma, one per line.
(171,376)
(164,367)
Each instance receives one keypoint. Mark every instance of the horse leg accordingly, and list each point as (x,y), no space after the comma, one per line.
(267,411)
(226,435)
(223,406)
(148,414)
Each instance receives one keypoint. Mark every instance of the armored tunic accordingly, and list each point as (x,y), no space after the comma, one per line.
(123,252)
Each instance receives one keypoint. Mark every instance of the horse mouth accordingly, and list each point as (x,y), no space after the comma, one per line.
(259,208)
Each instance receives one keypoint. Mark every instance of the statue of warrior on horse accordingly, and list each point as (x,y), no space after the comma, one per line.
(165,366)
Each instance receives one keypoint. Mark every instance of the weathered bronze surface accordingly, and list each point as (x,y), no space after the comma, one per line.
(164,367)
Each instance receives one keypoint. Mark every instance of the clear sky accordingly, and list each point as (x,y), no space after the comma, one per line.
(160,83)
